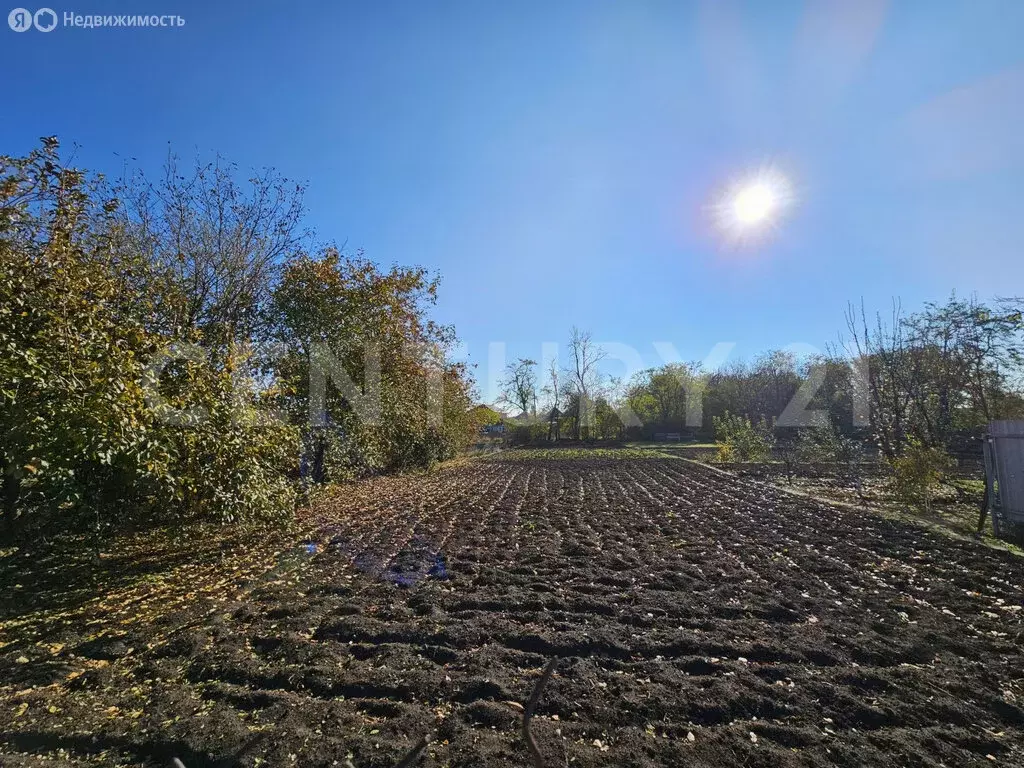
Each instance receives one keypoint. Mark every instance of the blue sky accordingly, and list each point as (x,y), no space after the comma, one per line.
(554,160)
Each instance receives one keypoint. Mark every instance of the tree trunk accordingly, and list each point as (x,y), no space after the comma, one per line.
(984,509)
(317,470)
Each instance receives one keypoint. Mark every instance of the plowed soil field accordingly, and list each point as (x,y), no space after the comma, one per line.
(698,619)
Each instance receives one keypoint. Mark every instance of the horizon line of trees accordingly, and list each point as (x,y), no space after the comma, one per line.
(158,338)
(934,378)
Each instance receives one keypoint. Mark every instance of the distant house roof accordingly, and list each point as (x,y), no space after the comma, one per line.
(524,417)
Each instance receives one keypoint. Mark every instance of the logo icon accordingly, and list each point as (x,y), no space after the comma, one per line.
(20,20)
(45,19)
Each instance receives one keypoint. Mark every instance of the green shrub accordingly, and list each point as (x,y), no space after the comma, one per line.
(918,472)
(231,464)
(88,434)
(739,439)
(75,436)
(726,453)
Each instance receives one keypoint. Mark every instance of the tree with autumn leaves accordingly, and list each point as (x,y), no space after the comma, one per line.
(159,341)
(397,401)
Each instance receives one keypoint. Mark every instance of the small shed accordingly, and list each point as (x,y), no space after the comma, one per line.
(1004,473)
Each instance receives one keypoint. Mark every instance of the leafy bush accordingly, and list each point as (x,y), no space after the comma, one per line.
(918,471)
(739,439)
(75,439)
(232,458)
(726,453)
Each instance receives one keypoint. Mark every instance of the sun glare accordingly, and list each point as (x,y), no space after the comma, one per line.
(750,209)
(754,203)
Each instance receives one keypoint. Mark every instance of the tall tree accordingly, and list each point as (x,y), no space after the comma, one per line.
(218,246)
(519,387)
(940,371)
(384,384)
(585,356)
(884,346)
(662,397)
(553,400)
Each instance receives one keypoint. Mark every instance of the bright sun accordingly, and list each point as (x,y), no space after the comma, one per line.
(749,209)
(754,203)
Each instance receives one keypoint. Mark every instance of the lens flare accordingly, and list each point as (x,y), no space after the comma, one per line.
(750,209)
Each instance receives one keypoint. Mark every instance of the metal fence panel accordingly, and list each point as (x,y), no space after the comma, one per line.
(1007,449)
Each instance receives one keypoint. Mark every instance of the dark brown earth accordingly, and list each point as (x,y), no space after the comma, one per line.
(699,619)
